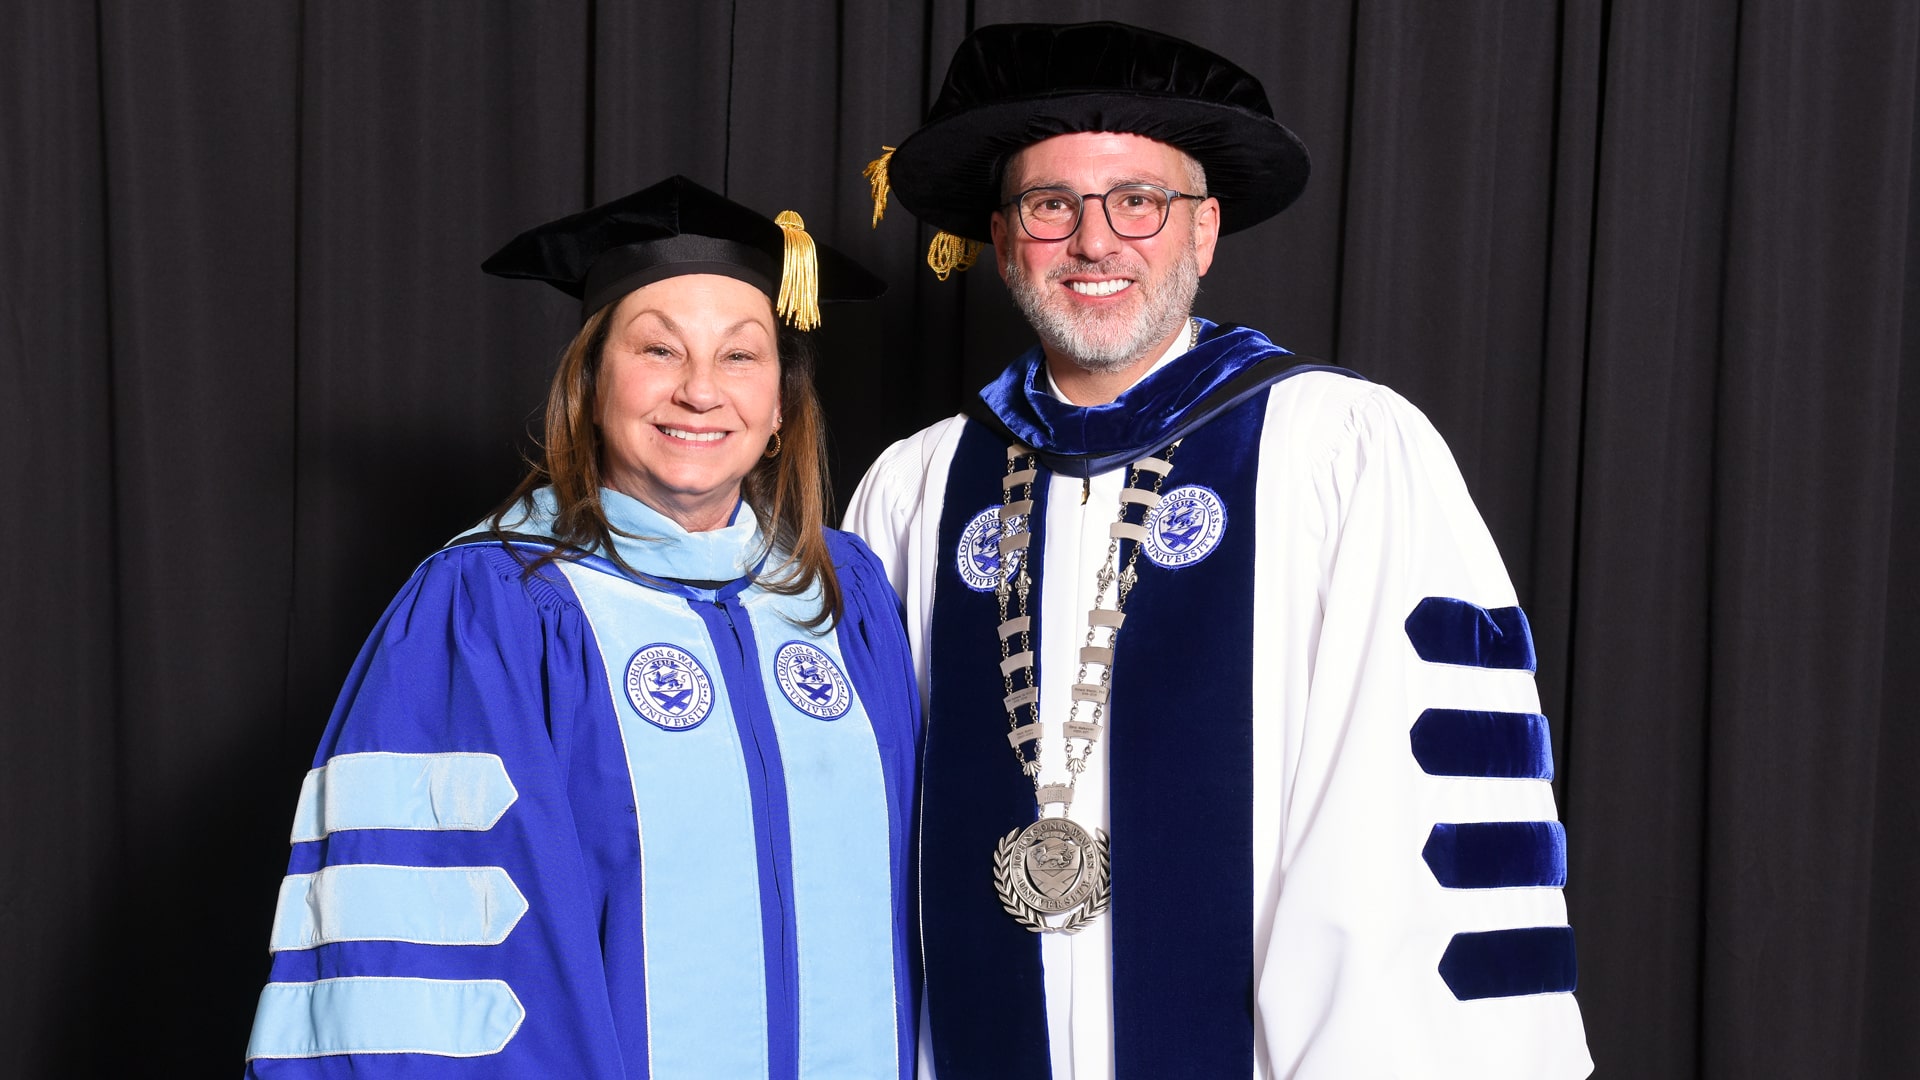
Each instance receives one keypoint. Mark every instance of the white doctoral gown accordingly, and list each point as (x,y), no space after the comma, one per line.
(1362,513)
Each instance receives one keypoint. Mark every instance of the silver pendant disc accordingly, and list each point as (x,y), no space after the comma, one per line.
(1052,867)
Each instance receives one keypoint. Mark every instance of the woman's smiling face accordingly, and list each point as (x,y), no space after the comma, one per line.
(688,395)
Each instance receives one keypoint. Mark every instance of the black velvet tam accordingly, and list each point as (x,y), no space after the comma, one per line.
(674,227)
(1014,84)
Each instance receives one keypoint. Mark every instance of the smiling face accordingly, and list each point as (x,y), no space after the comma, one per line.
(688,394)
(1101,302)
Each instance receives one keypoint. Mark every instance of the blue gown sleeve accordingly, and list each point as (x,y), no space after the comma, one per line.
(442,908)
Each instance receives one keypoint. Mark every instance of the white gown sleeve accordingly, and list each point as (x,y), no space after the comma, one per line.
(1363,513)
(896,510)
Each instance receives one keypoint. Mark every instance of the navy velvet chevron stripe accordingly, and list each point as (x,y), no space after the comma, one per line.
(986,1005)
(1448,631)
(1510,963)
(1182,784)
(1498,854)
(1501,745)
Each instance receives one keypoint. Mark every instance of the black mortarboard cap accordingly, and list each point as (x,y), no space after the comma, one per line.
(678,227)
(1015,84)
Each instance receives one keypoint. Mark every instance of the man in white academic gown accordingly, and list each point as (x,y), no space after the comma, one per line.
(1234,763)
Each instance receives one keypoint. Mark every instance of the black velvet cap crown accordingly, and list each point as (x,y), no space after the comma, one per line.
(1014,84)
(674,227)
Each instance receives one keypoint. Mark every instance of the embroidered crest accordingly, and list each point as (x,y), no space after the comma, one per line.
(979,554)
(1185,527)
(668,687)
(812,681)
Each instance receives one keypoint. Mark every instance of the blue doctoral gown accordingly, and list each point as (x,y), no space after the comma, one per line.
(581,823)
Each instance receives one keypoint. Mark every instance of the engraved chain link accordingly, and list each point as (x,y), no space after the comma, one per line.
(1002,590)
(1020,584)
(1075,765)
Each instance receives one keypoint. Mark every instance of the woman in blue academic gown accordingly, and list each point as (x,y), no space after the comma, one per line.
(620,785)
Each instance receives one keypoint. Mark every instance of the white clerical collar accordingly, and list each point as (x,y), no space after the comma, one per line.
(1180,344)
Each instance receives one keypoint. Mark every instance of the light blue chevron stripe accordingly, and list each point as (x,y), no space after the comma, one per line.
(452,791)
(451,1018)
(425,905)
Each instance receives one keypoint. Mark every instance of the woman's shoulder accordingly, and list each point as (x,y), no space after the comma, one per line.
(848,551)
(863,577)
(504,570)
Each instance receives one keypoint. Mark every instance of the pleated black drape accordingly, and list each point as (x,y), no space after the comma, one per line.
(1650,266)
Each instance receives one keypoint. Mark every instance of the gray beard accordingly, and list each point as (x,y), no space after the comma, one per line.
(1092,343)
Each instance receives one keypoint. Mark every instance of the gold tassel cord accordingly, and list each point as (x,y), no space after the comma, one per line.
(948,253)
(799,301)
(876,174)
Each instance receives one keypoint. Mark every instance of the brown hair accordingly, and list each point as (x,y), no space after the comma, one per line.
(789,494)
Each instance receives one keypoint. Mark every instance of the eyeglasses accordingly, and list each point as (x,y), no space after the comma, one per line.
(1134,211)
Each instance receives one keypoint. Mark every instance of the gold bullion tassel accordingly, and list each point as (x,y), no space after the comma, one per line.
(876,174)
(799,301)
(948,253)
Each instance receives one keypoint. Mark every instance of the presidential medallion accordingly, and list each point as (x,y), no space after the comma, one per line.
(1052,867)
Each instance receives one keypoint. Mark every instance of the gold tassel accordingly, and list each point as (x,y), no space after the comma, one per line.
(948,253)
(799,301)
(876,174)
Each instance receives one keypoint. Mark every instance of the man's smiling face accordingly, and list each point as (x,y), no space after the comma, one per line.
(1100,300)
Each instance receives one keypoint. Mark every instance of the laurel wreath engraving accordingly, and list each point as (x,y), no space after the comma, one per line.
(1032,917)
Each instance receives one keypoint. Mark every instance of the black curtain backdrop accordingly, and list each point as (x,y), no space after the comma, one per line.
(1650,266)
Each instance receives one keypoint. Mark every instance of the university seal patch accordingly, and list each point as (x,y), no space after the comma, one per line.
(812,681)
(1185,527)
(979,554)
(668,687)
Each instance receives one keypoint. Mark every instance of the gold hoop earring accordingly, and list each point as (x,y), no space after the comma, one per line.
(774,450)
